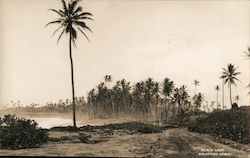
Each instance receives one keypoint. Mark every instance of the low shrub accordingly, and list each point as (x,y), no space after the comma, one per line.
(20,133)
(84,138)
(67,128)
(229,124)
(130,126)
(148,129)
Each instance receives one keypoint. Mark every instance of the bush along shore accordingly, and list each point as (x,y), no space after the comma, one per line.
(20,133)
(230,124)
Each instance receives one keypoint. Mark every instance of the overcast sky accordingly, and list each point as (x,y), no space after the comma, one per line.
(182,40)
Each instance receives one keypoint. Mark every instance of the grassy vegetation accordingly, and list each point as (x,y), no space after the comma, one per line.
(229,124)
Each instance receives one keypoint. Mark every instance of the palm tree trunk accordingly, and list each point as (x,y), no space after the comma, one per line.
(223,94)
(249,81)
(230,91)
(217,100)
(72,82)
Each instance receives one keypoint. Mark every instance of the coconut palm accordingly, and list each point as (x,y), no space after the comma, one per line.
(138,97)
(217,88)
(167,90)
(71,19)
(180,102)
(229,76)
(156,98)
(168,87)
(196,83)
(198,100)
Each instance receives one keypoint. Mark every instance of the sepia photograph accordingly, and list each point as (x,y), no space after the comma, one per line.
(125,78)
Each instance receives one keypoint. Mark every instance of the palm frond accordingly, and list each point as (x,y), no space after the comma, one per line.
(78,9)
(73,5)
(82,32)
(53,22)
(64,7)
(226,80)
(236,73)
(73,33)
(58,29)
(223,76)
(83,25)
(62,12)
(58,12)
(234,78)
(84,17)
(85,13)
(86,27)
(60,36)
(225,70)
(225,73)
(69,9)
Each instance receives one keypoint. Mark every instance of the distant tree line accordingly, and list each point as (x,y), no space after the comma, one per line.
(145,100)
(60,106)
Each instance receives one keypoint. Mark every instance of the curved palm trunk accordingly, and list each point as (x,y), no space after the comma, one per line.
(230,91)
(72,82)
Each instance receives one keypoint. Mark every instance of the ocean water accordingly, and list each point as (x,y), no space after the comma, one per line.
(50,122)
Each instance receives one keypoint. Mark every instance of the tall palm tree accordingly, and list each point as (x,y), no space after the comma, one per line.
(196,83)
(138,97)
(156,95)
(217,88)
(198,100)
(180,101)
(229,76)
(168,87)
(71,18)
(247,55)
(167,90)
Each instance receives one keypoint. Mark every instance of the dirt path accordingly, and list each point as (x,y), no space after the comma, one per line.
(170,143)
(181,143)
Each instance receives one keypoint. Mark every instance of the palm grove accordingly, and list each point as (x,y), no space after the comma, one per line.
(144,99)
